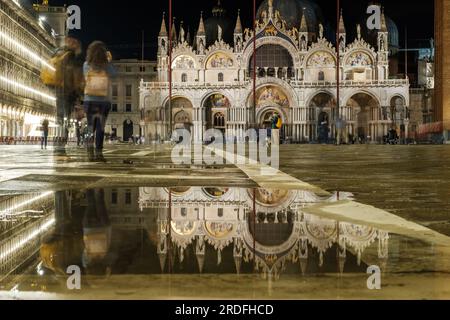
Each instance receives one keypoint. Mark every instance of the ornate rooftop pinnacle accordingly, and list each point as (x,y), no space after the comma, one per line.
(303,23)
(188,35)
(174,30)
(163,31)
(270,8)
(238,28)
(182,33)
(341,23)
(201,26)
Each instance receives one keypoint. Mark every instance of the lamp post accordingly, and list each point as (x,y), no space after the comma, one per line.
(64,128)
(337,114)
(338,57)
(171,24)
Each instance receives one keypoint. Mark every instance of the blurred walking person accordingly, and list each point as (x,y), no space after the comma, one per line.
(66,78)
(97,72)
(340,131)
(45,129)
(78,130)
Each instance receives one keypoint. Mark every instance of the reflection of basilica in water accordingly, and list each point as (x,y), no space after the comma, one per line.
(296,77)
(187,230)
(191,219)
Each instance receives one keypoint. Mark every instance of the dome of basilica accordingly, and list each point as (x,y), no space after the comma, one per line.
(393,33)
(292,11)
(219,18)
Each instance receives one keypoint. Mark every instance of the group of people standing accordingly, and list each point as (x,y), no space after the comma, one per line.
(81,80)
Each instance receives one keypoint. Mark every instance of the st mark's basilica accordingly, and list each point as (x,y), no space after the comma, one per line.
(296,59)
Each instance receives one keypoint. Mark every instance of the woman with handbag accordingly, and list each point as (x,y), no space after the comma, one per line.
(97,71)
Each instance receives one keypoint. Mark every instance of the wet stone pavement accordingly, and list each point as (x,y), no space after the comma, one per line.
(140,227)
(28,169)
(410,181)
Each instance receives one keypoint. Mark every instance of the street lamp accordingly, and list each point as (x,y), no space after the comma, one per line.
(338,57)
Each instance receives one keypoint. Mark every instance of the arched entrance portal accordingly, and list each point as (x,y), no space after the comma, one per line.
(182,120)
(266,119)
(399,114)
(321,114)
(364,107)
(181,115)
(127,130)
(399,111)
(215,111)
(267,115)
(362,126)
(271,100)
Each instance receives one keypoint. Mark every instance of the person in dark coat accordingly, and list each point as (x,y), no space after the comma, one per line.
(71,89)
(45,130)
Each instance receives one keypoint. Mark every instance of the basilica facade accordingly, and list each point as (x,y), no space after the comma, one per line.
(295,63)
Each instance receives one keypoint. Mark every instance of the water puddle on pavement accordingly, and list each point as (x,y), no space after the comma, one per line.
(194,242)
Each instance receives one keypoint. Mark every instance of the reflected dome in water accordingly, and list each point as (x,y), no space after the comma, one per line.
(179,191)
(216,192)
(270,197)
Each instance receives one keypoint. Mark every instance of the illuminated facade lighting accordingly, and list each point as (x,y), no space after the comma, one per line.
(26,88)
(28,202)
(29,52)
(20,244)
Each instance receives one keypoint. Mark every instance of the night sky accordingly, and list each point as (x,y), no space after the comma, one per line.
(120,24)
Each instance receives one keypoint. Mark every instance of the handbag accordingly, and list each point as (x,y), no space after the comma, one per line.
(52,73)
(97,83)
